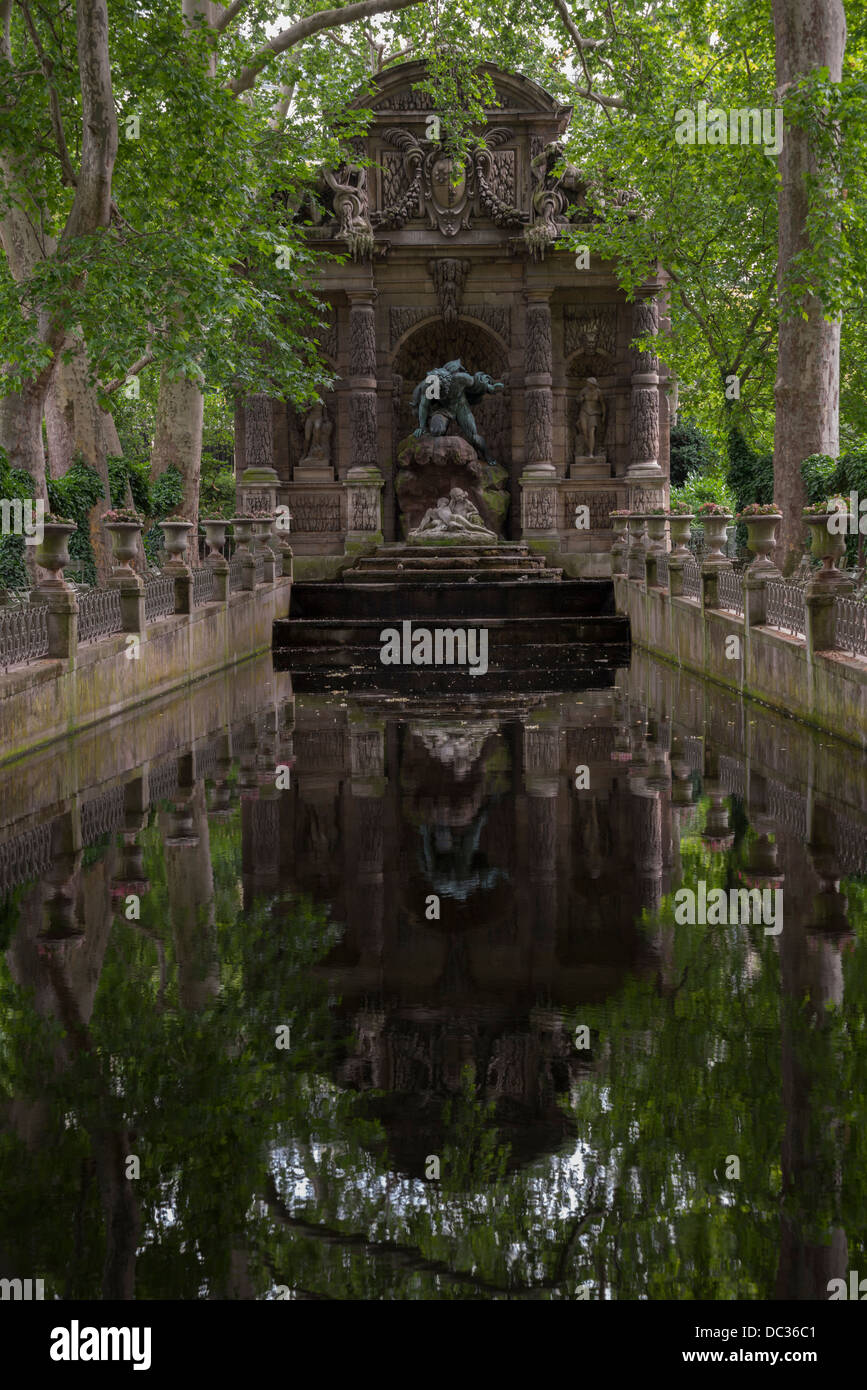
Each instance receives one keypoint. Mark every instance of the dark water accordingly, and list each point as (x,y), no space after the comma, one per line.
(422,1024)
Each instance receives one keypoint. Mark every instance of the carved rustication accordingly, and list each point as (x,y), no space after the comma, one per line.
(328,334)
(590,329)
(362,341)
(449,276)
(539,425)
(538,355)
(500,320)
(314,512)
(642,499)
(644,425)
(365,509)
(402,318)
(539,509)
(394,178)
(259,432)
(362,420)
(645,323)
(599,505)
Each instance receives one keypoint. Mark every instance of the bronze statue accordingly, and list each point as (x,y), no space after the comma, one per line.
(447,394)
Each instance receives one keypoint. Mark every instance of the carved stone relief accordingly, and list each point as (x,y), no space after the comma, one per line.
(315,512)
(449,276)
(590,329)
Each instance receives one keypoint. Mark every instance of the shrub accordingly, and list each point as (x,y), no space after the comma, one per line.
(74,495)
(819,472)
(750,475)
(692,451)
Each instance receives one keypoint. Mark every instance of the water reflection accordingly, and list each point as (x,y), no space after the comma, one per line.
(422,1023)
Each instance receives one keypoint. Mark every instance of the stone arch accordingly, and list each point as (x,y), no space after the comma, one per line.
(430,344)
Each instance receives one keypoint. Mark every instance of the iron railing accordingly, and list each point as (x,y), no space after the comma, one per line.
(236,572)
(730,592)
(662,568)
(786,608)
(691,580)
(23,634)
(159,597)
(851,626)
(25,856)
(99,614)
(204,588)
(260,568)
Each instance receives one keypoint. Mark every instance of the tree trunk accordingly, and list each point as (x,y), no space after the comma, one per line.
(809,34)
(178,438)
(74,422)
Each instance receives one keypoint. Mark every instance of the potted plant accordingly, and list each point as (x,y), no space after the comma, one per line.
(176,530)
(680,519)
(827,545)
(715,519)
(123,525)
(52,552)
(761,520)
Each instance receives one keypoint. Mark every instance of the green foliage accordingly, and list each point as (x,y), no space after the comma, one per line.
(692,451)
(122,471)
(217,489)
(14,482)
(74,495)
(705,487)
(819,472)
(750,475)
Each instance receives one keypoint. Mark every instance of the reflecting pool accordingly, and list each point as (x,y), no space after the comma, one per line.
(344,996)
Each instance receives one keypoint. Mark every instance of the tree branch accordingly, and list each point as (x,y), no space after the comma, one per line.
(92,205)
(68,173)
(305,28)
(137,366)
(222,21)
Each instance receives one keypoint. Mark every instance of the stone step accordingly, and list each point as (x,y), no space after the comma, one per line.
(492,560)
(363,635)
(392,577)
(436,601)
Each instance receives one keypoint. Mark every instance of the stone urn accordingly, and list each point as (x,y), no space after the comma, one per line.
(761,539)
(715,536)
(215,536)
(635,556)
(679,525)
(52,552)
(124,544)
(619,544)
(242,527)
(261,533)
(177,539)
(825,545)
(656,524)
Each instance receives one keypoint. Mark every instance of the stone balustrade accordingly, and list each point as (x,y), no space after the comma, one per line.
(801,650)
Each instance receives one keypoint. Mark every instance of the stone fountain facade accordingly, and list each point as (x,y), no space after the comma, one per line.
(467,265)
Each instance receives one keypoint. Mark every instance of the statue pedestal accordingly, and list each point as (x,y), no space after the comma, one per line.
(589,466)
(312,470)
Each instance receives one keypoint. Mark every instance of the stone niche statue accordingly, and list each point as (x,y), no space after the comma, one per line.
(592,415)
(453,518)
(316,462)
(447,393)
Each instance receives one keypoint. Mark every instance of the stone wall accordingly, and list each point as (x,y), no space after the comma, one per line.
(55,697)
(797,675)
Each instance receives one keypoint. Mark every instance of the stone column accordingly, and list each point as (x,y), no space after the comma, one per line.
(364,450)
(644,405)
(257,488)
(539,494)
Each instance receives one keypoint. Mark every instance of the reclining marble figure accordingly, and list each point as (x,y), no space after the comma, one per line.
(453,516)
